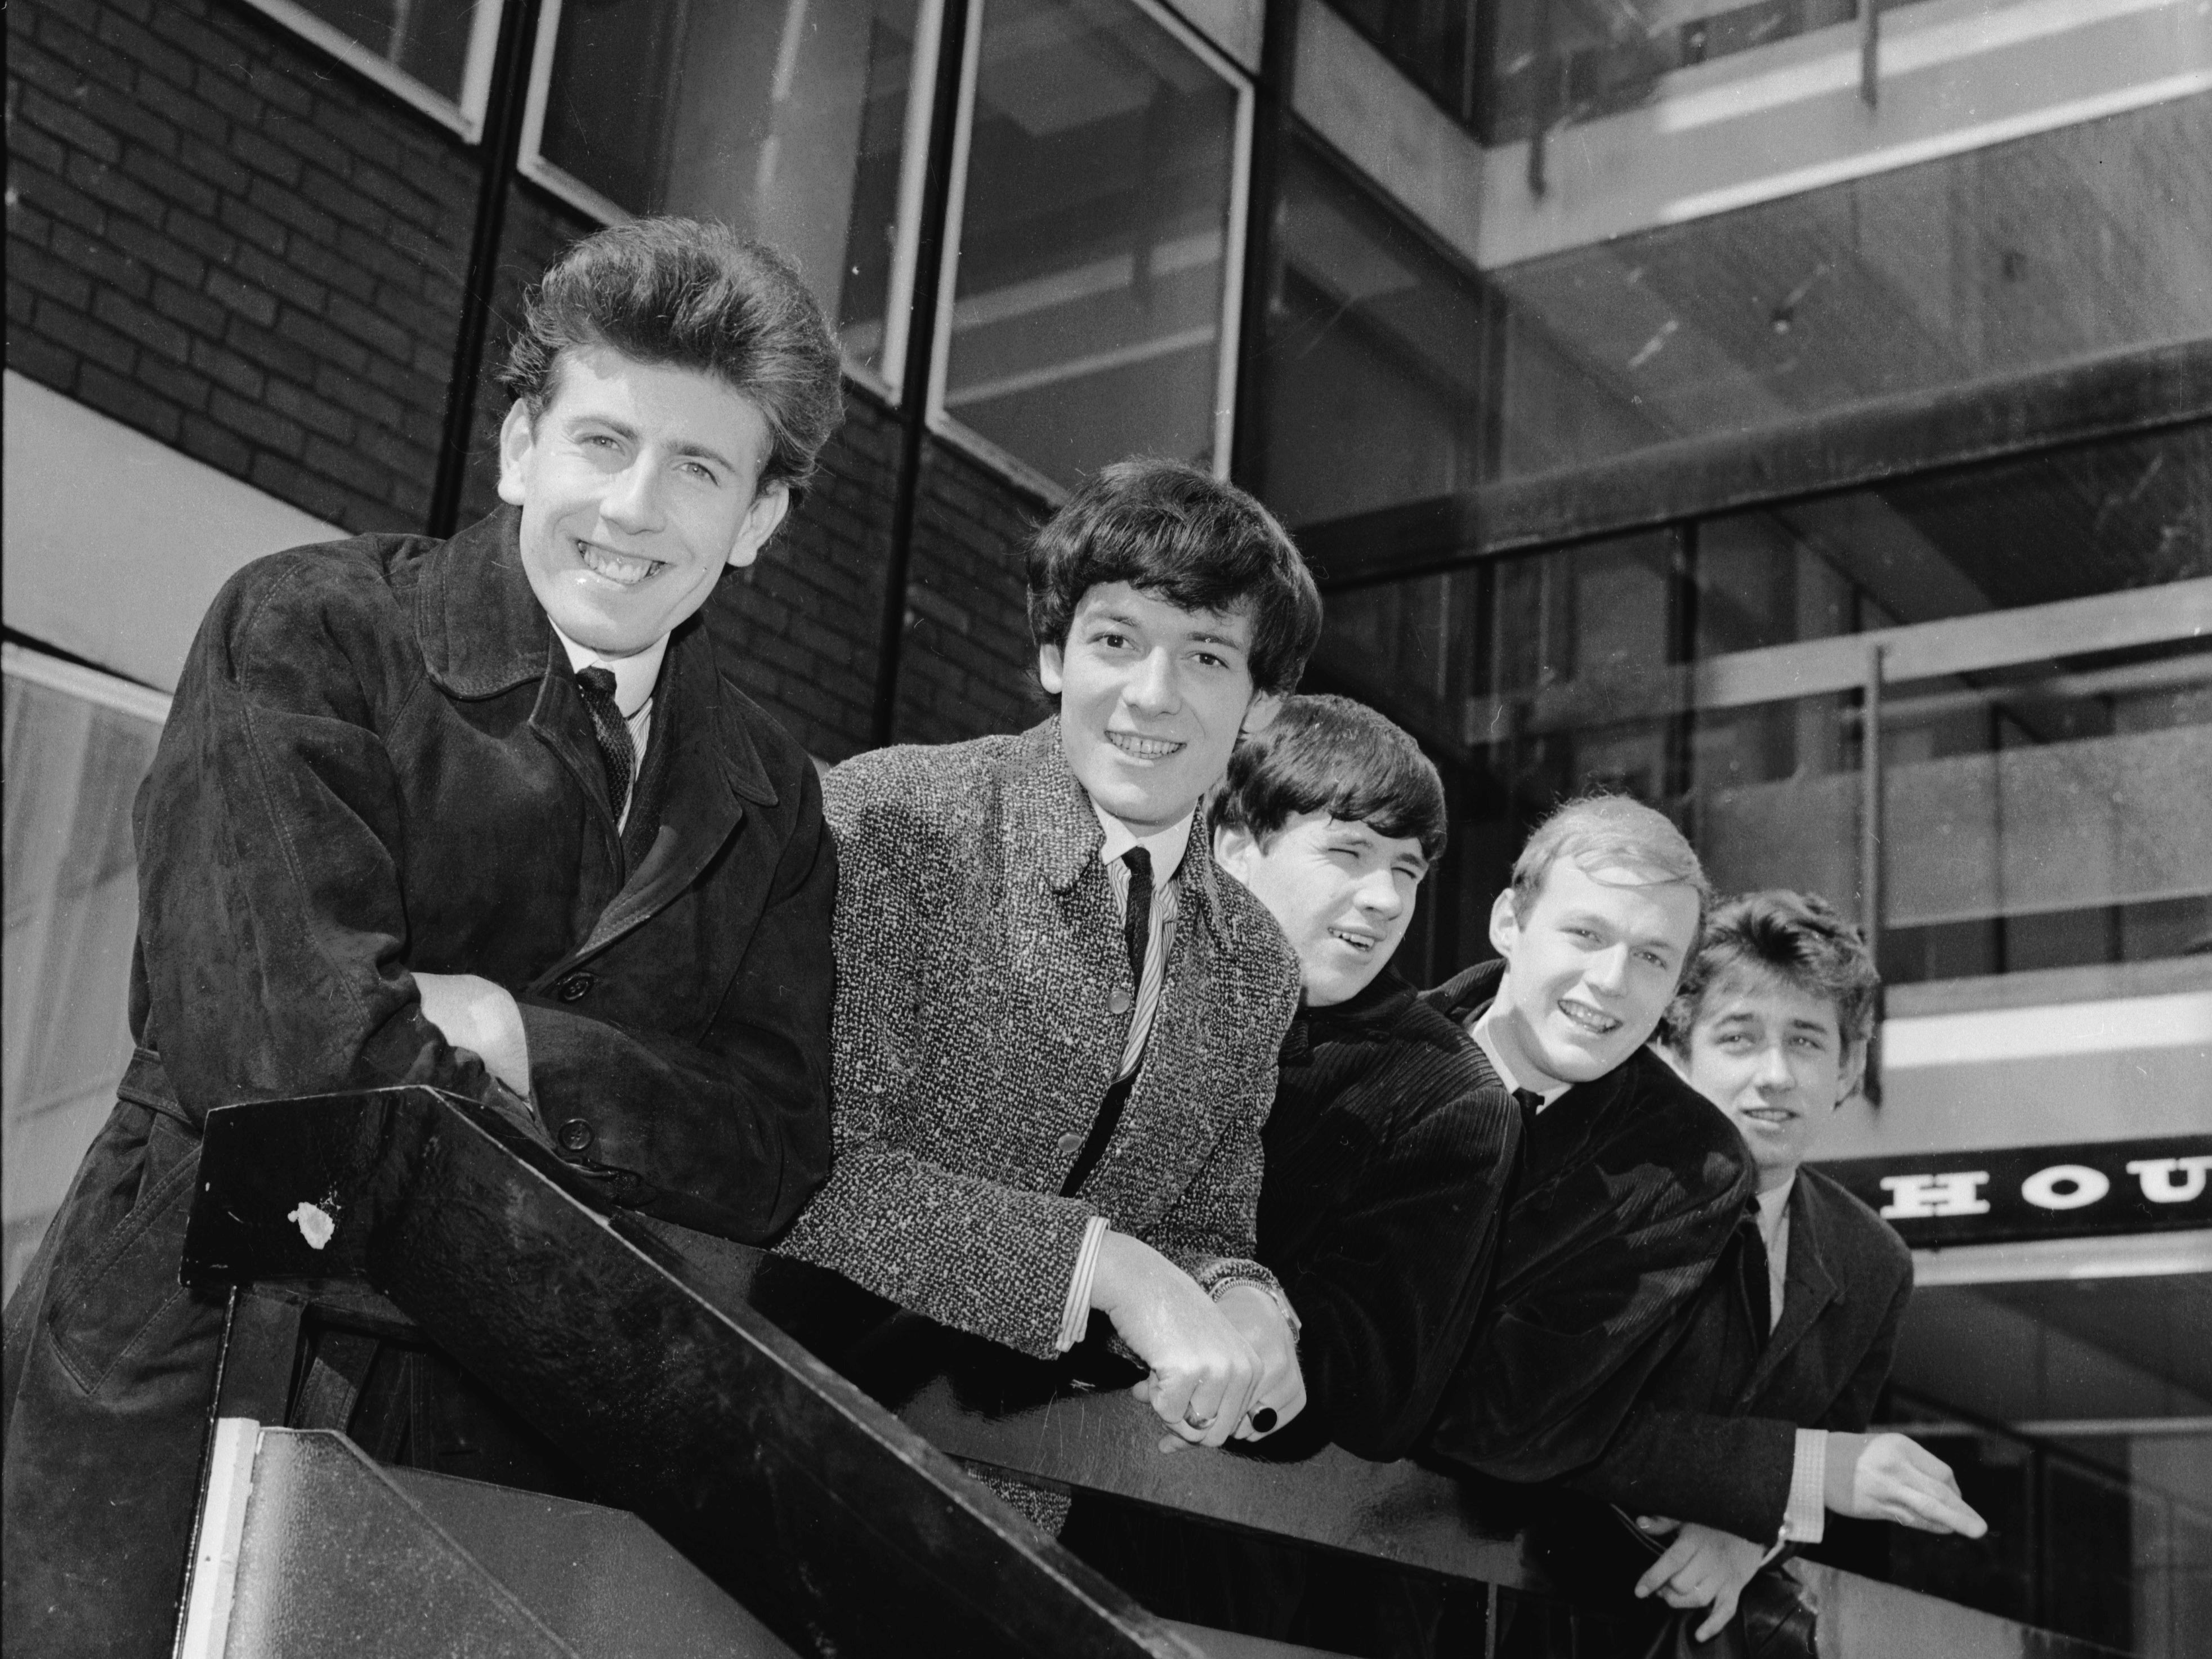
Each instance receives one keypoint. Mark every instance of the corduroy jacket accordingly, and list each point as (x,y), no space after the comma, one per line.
(980,954)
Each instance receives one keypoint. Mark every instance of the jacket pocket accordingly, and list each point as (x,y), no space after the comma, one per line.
(130,1274)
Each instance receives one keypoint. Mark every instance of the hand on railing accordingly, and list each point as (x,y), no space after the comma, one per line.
(1891,1477)
(1704,1567)
(1281,1393)
(1204,1370)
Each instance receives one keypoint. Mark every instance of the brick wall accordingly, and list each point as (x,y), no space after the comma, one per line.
(222,237)
(968,667)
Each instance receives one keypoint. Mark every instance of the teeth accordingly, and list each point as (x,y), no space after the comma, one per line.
(1141,748)
(615,567)
(1589,1019)
(1353,939)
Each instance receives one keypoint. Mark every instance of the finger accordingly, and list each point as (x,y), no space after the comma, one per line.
(1657,1523)
(1723,1610)
(1143,1389)
(1171,1442)
(1171,1393)
(1677,1556)
(1202,1407)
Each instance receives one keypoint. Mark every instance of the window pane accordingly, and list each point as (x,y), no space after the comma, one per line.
(1087,309)
(2001,261)
(427,38)
(1373,374)
(785,118)
(72,768)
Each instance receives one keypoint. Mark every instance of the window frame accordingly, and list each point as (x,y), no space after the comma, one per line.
(465,116)
(949,427)
(888,382)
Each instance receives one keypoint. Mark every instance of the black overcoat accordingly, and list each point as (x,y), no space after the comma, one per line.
(1627,1190)
(377,762)
(1714,1436)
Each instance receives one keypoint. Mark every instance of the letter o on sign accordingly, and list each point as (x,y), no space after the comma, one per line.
(2065,1186)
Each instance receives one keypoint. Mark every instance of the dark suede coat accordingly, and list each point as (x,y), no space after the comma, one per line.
(1714,1437)
(1389,1150)
(377,762)
(1627,1190)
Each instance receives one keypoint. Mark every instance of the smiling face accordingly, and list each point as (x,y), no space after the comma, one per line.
(1588,970)
(1152,699)
(1772,1057)
(1342,893)
(637,484)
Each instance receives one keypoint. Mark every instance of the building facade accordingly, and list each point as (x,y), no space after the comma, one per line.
(1798,415)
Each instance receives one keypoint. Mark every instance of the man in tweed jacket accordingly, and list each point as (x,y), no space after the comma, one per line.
(1050,1074)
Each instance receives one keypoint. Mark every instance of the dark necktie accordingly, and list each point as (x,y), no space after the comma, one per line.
(1757,1284)
(1137,919)
(597,687)
(1530,1103)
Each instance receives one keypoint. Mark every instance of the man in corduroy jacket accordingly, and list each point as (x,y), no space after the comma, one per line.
(1056,1022)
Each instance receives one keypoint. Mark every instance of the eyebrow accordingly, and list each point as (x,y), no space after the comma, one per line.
(623,429)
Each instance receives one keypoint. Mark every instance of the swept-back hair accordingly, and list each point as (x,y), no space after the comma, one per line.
(1325,754)
(690,294)
(1596,830)
(1179,533)
(1796,938)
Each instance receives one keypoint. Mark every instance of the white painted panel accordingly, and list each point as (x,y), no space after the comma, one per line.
(115,542)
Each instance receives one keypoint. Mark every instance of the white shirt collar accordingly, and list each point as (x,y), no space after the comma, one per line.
(1166,846)
(1480,1032)
(634,675)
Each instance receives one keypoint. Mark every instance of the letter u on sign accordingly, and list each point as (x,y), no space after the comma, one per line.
(2065,1186)
(2171,1179)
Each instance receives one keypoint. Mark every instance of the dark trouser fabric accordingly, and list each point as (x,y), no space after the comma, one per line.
(110,1370)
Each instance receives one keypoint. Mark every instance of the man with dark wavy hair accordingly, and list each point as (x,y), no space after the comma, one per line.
(489,814)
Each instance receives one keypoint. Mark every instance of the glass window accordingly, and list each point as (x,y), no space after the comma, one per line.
(78,744)
(1372,387)
(788,119)
(1098,234)
(437,55)
(2077,1414)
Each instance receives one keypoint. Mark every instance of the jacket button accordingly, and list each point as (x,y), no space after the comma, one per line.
(574,988)
(575,1135)
(1070,1144)
(1120,1000)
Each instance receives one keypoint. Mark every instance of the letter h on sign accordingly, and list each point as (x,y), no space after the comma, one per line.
(1916,1195)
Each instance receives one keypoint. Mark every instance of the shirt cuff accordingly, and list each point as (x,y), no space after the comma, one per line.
(1075,1312)
(1805,1520)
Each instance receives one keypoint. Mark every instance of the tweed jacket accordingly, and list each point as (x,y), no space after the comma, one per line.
(1628,1188)
(979,953)
(1389,1154)
(1714,1436)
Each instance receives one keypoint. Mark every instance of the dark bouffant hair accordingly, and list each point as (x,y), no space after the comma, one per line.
(1325,754)
(694,295)
(1794,937)
(1182,535)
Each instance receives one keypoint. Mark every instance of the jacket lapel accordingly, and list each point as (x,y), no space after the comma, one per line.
(1807,1289)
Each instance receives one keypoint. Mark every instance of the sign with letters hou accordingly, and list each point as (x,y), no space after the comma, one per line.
(2036,1191)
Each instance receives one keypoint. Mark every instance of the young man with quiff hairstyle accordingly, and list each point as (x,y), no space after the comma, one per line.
(490,814)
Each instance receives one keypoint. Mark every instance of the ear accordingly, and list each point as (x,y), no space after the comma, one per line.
(1504,925)
(1854,1073)
(1259,714)
(1235,851)
(1049,662)
(516,437)
(769,504)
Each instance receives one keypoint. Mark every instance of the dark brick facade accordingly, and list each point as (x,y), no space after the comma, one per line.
(218,236)
(222,237)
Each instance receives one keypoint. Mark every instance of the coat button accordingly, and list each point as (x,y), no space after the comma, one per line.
(1070,1144)
(1120,1002)
(574,988)
(575,1135)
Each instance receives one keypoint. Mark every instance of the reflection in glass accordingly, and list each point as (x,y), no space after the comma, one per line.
(429,42)
(1097,238)
(785,118)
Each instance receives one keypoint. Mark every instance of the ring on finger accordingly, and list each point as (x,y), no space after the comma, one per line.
(1200,1422)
